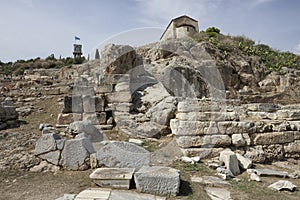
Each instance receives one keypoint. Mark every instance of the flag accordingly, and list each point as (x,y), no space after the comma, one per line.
(77,38)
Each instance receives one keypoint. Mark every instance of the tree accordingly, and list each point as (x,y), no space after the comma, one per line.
(97,55)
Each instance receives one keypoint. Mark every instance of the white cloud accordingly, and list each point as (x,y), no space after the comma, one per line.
(158,13)
(29,3)
(297,49)
(260,2)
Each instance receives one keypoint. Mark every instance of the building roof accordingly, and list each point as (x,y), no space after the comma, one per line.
(175,19)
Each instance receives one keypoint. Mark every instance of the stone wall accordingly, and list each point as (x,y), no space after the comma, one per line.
(262,131)
(8,114)
(97,103)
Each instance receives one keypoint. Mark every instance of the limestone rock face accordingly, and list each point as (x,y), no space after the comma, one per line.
(158,180)
(118,59)
(123,155)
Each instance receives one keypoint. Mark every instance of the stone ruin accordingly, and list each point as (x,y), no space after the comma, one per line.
(8,114)
(125,97)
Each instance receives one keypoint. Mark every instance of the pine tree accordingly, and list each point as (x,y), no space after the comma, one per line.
(97,55)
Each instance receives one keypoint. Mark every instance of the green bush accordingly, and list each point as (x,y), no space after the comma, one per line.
(212,30)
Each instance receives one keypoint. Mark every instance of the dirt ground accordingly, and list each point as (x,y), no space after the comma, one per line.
(18,185)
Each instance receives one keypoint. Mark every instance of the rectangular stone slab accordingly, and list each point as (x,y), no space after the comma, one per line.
(94,193)
(113,177)
(112,173)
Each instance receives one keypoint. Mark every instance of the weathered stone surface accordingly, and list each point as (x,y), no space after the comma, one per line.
(218,193)
(256,154)
(292,150)
(288,114)
(244,163)
(254,177)
(261,107)
(123,155)
(203,141)
(216,140)
(72,104)
(126,195)
(191,116)
(101,118)
(162,112)
(122,107)
(189,141)
(52,157)
(104,88)
(113,177)
(224,173)
(76,153)
(48,130)
(93,161)
(120,97)
(240,140)
(158,180)
(231,161)
(117,60)
(211,181)
(136,141)
(65,119)
(122,87)
(94,193)
(46,143)
(188,128)
(67,104)
(89,103)
(283,185)
(274,138)
(92,117)
(269,172)
(229,127)
(44,125)
(150,130)
(87,127)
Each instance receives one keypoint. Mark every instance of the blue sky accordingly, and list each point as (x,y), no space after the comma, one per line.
(37,28)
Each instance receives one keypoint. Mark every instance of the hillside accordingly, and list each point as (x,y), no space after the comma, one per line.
(180,97)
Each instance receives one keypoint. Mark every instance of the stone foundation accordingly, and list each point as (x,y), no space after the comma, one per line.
(264,132)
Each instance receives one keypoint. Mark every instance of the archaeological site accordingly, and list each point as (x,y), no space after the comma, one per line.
(196,115)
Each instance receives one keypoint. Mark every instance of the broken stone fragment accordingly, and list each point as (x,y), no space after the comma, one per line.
(231,161)
(46,143)
(283,185)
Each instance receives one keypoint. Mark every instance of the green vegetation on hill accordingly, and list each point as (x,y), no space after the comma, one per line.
(273,59)
(20,66)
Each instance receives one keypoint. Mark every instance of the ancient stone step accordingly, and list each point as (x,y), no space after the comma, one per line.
(113,177)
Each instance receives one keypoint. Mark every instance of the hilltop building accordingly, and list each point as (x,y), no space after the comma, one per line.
(180,27)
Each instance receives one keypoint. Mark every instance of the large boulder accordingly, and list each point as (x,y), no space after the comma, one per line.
(76,154)
(123,155)
(118,59)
